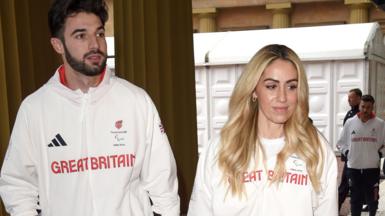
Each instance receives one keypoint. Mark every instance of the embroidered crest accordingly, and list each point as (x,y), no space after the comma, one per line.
(119,124)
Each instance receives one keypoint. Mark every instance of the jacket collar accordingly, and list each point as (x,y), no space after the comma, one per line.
(63,78)
(58,85)
(372,115)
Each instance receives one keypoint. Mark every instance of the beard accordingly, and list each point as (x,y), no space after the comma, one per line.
(81,66)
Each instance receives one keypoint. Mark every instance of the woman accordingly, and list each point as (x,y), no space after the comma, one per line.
(270,160)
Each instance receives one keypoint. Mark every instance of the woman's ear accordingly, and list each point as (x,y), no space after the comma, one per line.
(57,45)
(254,96)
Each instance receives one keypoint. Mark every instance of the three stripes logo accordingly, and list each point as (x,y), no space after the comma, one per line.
(57,141)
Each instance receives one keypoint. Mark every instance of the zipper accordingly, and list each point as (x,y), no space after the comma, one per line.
(84,106)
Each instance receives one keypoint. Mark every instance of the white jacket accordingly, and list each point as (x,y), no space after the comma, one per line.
(294,196)
(99,153)
(364,140)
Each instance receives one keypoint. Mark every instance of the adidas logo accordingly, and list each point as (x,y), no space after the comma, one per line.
(353,132)
(57,141)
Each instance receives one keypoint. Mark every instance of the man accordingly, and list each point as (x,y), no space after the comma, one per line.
(87,143)
(354,99)
(361,140)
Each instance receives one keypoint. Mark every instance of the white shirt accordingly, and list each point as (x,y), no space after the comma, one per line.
(99,153)
(294,196)
(363,140)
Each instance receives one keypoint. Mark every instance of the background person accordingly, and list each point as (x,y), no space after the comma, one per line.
(361,140)
(354,99)
(87,143)
(269,159)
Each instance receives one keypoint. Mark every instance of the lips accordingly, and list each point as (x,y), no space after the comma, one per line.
(94,58)
(280,109)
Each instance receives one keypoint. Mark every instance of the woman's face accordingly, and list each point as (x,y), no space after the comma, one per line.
(277,92)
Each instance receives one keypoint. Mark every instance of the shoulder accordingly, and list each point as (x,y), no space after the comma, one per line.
(324,143)
(36,98)
(212,147)
(127,86)
(209,154)
(326,148)
(379,123)
(351,120)
(378,119)
(124,88)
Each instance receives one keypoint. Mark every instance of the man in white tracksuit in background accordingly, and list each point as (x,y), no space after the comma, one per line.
(87,143)
(362,140)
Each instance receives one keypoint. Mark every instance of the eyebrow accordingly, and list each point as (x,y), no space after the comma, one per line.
(83,30)
(274,80)
(77,30)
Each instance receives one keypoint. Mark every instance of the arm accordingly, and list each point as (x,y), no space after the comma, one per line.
(19,180)
(343,143)
(328,196)
(159,169)
(201,198)
(381,150)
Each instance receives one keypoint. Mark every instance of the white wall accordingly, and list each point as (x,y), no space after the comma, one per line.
(329,82)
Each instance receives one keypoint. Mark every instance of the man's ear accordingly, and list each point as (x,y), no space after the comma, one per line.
(57,45)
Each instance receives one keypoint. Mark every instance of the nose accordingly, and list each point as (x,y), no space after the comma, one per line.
(282,94)
(94,43)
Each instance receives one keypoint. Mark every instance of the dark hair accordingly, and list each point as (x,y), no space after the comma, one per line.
(61,9)
(368,98)
(356,91)
(281,51)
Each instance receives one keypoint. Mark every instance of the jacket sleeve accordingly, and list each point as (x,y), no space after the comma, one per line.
(327,197)
(158,174)
(201,197)
(382,143)
(343,143)
(19,180)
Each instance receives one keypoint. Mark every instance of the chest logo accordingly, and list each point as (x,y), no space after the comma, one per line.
(118,134)
(57,141)
(119,124)
(373,133)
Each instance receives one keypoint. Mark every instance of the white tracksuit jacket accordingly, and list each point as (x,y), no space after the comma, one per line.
(363,140)
(99,153)
(293,197)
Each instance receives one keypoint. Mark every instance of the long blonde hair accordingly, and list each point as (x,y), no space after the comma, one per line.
(239,139)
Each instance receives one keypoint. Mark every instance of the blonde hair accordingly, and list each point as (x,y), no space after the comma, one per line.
(239,139)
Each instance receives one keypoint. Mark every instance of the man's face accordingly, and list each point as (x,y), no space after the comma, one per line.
(366,109)
(84,44)
(353,99)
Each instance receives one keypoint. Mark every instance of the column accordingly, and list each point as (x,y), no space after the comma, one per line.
(11,64)
(281,14)
(206,16)
(4,116)
(359,10)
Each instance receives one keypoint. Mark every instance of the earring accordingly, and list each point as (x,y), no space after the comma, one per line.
(254,98)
